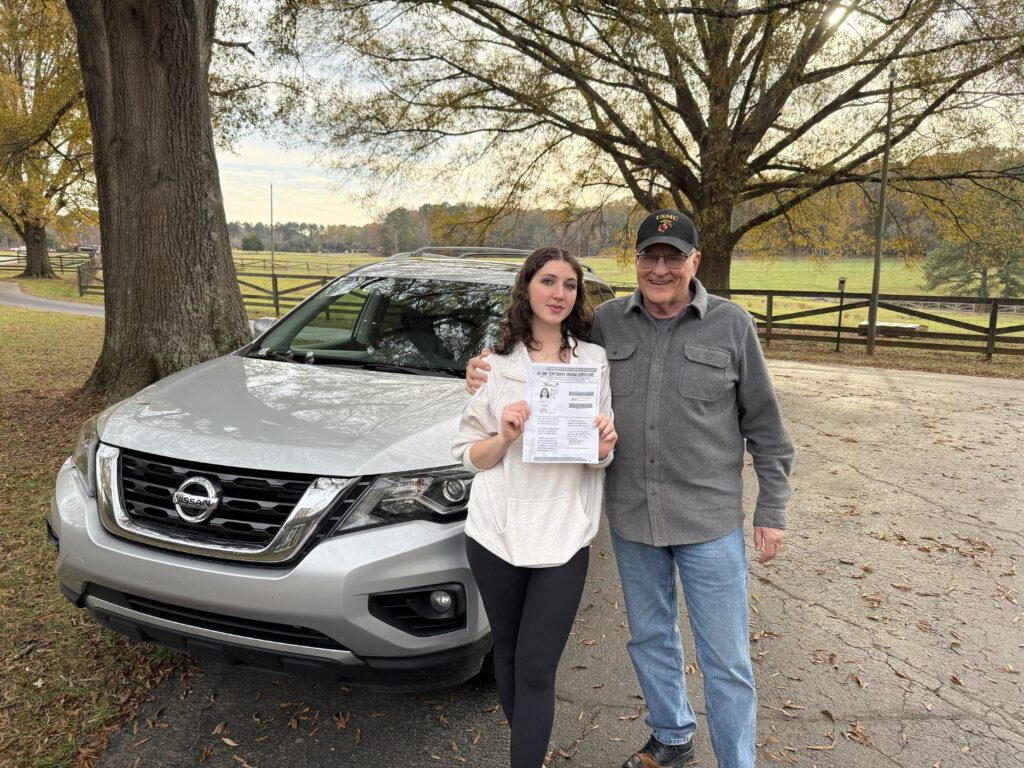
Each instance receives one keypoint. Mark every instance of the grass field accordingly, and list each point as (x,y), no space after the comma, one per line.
(67,682)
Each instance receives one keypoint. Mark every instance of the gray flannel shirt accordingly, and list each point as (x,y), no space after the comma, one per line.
(688,399)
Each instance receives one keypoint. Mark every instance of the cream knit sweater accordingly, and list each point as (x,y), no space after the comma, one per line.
(532,515)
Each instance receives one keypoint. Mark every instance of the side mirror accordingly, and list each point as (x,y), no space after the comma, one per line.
(262,325)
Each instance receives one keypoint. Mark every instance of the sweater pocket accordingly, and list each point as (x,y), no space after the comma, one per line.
(621,365)
(542,532)
(703,372)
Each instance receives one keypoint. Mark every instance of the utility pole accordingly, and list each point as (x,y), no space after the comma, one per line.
(880,228)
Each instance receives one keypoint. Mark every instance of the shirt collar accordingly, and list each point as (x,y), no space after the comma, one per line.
(698,299)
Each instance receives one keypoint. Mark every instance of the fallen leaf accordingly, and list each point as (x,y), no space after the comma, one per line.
(229,742)
(858,734)
(830,735)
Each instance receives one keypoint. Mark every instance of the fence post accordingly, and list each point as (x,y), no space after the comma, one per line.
(273,287)
(768,320)
(60,262)
(993,316)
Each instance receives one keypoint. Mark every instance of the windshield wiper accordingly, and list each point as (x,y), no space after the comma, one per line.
(267,353)
(372,365)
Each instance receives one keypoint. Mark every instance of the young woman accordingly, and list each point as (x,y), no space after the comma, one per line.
(530,525)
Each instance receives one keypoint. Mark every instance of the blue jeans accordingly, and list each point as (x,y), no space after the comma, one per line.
(714,579)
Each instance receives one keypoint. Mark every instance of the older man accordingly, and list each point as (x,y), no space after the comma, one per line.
(691,392)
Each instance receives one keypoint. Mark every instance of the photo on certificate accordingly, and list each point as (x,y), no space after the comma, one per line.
(563,404)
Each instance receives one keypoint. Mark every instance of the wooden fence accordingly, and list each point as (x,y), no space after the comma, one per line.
(253,262)
(280,292)
(987,338)
(61,262)
(277,295)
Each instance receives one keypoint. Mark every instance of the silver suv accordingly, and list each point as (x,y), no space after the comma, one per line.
(293,506)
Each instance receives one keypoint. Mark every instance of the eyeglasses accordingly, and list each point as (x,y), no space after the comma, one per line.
(672,261)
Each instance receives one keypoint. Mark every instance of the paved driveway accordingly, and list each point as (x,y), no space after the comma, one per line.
(12,296)
(889,633)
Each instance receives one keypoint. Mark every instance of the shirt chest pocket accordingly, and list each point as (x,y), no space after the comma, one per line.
(704,372)
(621,365)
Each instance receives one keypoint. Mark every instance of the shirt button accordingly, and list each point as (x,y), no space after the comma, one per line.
(651,461)
(654,493)
(650,426)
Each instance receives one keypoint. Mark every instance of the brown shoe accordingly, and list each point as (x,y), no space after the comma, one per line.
(654,754)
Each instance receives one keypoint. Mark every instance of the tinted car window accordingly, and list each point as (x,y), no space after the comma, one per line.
(431,324)
(597,293)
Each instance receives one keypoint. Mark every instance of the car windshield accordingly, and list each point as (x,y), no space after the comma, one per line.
(386,323)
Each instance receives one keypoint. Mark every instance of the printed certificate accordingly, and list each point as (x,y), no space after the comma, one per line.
(563,403)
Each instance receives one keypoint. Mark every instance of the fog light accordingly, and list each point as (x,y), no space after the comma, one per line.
(454,490)
(440,600)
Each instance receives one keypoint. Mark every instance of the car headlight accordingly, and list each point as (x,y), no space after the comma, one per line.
(84,456)
(441,495)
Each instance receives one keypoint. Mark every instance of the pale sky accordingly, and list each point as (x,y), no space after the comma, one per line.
(303,192)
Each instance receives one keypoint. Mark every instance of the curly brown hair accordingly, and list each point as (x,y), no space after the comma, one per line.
(517,322)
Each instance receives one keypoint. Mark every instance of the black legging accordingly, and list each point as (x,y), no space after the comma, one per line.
(531,611)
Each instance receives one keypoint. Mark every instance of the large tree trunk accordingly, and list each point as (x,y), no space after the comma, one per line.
(37,257)
(717,241)
(172,299)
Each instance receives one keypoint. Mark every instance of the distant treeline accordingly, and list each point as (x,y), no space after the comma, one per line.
(587,232)
(840,225)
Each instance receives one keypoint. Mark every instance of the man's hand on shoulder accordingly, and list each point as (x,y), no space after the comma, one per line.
(476,372)
(767,541)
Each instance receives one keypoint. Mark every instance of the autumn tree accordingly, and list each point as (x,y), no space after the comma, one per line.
(982,228)
(171,295)
(45,148)
(704,106)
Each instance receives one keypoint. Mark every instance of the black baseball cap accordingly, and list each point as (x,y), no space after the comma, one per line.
(669,227)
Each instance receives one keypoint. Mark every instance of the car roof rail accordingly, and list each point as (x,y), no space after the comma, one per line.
(469,252)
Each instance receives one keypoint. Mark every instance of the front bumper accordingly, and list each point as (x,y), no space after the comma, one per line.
(324,597)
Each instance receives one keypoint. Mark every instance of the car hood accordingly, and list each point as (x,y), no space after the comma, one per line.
(290,417)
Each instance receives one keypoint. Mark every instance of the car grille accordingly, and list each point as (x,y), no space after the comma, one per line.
(254,506)
(217,622)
